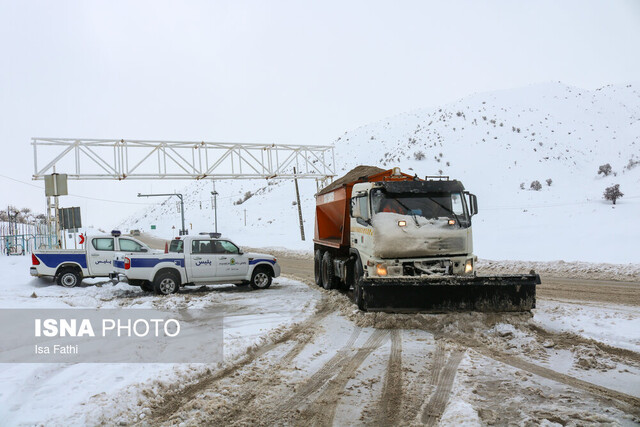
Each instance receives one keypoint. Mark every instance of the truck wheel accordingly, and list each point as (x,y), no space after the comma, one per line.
(69,278)
(358,297)
(317,266)
(260,279)
(165,283)
(329,280)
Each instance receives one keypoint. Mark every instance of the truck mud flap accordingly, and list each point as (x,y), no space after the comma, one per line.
(444,294)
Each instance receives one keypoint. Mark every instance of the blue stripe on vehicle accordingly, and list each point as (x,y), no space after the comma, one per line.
(255,261)
(118,264)
(54,260)
(152,262)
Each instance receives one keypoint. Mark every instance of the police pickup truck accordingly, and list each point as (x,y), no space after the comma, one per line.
(69,266)
(194,260)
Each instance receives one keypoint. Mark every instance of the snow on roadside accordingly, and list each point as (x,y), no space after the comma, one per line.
(617,326)
(88,393)
(575,270)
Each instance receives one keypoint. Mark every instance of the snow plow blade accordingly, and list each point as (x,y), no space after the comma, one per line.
(450,293)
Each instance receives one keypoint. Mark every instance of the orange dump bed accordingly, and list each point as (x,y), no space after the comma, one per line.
(332,226)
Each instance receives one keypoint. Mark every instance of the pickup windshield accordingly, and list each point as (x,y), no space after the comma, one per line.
(429,205)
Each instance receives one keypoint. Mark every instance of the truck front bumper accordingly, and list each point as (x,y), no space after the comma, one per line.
(276,270)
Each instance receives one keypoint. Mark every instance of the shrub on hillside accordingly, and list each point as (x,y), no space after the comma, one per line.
(605,169)
(549,182)
(419,155)
(535,185)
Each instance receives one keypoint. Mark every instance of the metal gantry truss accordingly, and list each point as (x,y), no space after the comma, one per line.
(147,159)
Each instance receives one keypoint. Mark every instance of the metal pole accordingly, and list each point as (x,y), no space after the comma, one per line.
(184,230)
(215,203)
(299,207)
(245,217)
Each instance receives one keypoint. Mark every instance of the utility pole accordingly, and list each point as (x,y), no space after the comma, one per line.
(184,231)
(245,217)
(214,193)
(295,179)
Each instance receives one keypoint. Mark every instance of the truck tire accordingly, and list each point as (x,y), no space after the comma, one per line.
(69,278)
(329,279)
(166,283)
(260,278)
(317,266)
(358,296)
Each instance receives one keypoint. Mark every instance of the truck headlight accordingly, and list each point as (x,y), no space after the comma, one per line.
(468,266)
(402,223)
(381,269)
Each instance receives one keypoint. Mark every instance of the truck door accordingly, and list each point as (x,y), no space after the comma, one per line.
(201,261)
(230,263)
(100,256)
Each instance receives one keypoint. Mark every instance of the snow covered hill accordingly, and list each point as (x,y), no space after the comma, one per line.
(497,143)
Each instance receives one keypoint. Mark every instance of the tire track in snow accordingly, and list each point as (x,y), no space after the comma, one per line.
(322,411)
(444,383)
(320,377)
(391,400)
(174,401)
(622,401)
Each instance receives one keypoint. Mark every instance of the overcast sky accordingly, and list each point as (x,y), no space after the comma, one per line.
(276,71)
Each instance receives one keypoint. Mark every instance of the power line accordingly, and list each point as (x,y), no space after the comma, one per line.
(78,196)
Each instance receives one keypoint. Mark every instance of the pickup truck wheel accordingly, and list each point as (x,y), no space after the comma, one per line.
(69,278)
(260,279)
(165,283)
(317,266)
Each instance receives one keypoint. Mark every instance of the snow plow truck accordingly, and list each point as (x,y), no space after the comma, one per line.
(404,244)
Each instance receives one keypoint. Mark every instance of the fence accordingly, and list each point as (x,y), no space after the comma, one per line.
(20,239)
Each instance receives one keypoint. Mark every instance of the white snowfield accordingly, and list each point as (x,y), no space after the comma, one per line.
(486,362)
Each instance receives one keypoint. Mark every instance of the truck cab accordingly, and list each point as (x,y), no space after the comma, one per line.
(411,228)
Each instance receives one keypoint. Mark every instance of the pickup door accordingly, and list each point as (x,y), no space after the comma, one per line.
(215,260)
(100,256)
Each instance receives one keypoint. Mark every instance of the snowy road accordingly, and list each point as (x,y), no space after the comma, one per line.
(297,355)
(343,367)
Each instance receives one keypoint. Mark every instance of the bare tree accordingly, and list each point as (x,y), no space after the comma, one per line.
(613,193)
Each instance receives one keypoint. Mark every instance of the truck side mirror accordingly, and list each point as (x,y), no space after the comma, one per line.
(144,250)
(355,208)
(474,204)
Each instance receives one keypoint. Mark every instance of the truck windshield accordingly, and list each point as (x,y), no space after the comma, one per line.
(429,205)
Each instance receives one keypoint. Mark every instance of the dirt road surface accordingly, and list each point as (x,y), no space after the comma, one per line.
(343,367)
